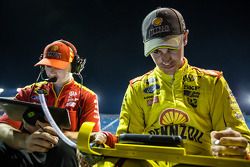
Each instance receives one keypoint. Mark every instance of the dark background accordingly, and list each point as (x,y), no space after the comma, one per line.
(108,34)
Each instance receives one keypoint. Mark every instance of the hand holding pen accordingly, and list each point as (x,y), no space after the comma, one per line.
(42,140)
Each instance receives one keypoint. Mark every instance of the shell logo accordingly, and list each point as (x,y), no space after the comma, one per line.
(157,21)
(54,48)
(173,116)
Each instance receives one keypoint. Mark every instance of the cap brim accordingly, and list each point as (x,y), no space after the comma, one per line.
(171,41)
(53,63)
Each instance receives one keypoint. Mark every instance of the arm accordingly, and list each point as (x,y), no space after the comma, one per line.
(226,113)
(15,120)
(104,138)
(12,137)
(71,135)
(10,132)
(40,140)
(131,120)
(131,116)
(90,111)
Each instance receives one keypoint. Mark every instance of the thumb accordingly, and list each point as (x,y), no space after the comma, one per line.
(41,124)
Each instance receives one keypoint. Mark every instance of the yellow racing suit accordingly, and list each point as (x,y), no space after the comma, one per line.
(191,103)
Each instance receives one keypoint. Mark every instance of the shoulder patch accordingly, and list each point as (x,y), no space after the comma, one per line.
(84,88)
(41,83)
(37,85)
(28,86)
(214,73)
(132,81)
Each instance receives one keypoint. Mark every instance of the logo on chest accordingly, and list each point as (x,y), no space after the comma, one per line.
(152,88)
(173,116)
(72,99)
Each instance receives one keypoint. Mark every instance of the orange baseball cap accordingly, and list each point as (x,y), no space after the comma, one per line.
(57,54)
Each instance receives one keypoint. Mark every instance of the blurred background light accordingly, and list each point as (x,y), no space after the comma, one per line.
(1,90)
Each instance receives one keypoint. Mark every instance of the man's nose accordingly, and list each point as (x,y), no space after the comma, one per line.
(166,57)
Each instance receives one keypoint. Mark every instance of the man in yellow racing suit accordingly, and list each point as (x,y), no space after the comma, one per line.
(176,98)
(191,104)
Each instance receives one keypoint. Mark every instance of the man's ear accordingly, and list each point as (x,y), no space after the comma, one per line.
(185,38)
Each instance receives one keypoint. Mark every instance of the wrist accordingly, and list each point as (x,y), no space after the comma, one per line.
(248,152)
(19,139)
(12,137)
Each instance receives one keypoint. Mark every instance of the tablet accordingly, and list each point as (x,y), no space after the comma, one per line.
(147,139)
(18,110)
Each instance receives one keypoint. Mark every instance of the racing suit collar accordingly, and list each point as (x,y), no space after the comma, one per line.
(67,84)
(180,72)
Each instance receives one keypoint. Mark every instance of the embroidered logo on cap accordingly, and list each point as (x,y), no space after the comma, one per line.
(157,21)
(53,53)
(54,48)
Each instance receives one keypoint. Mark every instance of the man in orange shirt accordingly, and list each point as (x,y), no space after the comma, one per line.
(26,145)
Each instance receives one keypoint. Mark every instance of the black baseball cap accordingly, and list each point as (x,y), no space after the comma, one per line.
(162,28)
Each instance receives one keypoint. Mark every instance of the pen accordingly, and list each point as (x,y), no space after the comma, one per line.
(41,127)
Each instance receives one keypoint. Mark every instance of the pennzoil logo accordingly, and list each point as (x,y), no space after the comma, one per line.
(157,21)
(173,116)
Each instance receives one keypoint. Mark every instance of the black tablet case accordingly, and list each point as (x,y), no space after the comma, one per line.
(16,109)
